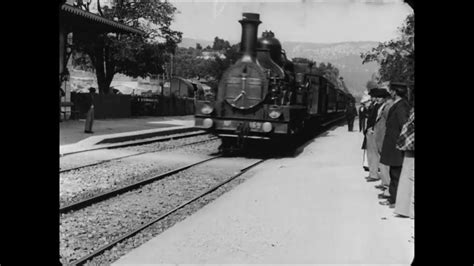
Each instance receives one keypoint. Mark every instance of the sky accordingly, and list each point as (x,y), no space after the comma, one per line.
(317,21)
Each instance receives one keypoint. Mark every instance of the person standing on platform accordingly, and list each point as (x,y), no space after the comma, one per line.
(61,94)
(366,101)
(373,155)
(405,192)
(379,130)
(64,76)
(90,113)
(391,156)
(364,105)
(362,116)
(351,113)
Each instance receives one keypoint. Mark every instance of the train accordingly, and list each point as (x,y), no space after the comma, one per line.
(265,96)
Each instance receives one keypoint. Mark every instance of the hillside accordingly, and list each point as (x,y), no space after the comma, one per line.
(345,56)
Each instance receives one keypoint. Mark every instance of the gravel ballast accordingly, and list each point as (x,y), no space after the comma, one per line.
(90,157)
(86,182)
(84,231)
(171,144)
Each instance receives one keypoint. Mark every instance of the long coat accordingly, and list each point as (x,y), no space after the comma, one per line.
(380,125)
(397,117)
(362,117)
(90,113)
(351,112)
(368,113)
(372,116)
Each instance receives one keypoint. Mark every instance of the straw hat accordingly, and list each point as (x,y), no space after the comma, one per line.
(384,85)
(365,99)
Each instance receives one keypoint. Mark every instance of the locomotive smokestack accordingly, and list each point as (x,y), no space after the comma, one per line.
(248,43)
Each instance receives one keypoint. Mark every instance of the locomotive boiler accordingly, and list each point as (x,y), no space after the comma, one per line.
(265,96)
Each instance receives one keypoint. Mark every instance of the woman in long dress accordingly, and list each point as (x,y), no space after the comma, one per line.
(405,192)
(366,103)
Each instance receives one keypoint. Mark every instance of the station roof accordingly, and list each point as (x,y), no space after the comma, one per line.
(77,19)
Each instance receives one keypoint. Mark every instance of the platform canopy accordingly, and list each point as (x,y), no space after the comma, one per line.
(75,19)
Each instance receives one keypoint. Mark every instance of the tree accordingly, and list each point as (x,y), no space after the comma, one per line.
(198,46)
(396,57)
(220,44)
(328,71)
(218,66)
(189,64)
(81,61)
(130,54)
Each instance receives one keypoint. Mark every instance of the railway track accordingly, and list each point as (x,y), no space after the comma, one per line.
(137,230)
(139,142)
(101,233)
(106,195)
(135,154)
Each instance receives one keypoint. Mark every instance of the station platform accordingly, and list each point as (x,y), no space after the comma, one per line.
(73,138)
(315,208)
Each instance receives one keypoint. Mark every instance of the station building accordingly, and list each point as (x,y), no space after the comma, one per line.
(73,19)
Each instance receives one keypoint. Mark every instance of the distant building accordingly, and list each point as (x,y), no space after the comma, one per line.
(210,55)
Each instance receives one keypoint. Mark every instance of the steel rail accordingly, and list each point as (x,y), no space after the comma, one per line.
(136,143)
(84,259)
(103,196)
(126,156)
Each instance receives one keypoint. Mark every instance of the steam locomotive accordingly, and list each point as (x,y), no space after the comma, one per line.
(265,96)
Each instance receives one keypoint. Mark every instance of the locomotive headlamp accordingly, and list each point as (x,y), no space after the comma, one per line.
(267,127)
(274,114)
(207,123)
(206,109)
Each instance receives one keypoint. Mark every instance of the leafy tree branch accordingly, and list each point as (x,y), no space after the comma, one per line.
(129,54)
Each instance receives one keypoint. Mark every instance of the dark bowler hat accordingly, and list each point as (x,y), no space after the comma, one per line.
(398,84)
(400,87)
(373,92)
(379,93)
(92,89)
(383,93)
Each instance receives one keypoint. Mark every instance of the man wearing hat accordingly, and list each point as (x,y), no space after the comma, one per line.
(391,156)
(351,113)
(379,132)
(90,113)
(363,113)
(373,155)
(367,103)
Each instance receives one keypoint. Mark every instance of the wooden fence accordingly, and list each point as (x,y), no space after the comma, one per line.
(161,106)
(123,106)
